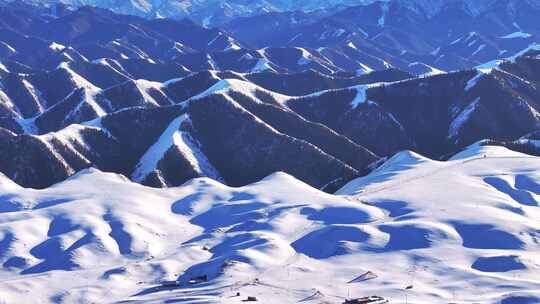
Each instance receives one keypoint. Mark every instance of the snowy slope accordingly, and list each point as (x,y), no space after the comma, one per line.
(99,238)
(182,142)
(247,88)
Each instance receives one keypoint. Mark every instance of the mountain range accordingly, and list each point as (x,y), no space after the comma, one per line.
(270,151)
(145,98)
(216,12)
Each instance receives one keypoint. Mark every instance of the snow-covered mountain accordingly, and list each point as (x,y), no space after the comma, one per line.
(205,11)
(156,160)
(398,234)
(71,94)
(213,12)
(74,88)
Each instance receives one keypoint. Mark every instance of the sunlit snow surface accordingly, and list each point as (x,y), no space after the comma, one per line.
(462,231)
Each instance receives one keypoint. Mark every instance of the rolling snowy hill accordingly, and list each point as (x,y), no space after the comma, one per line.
(98,237)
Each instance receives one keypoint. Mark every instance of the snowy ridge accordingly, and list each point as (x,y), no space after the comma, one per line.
(481,149)
(360,97)
(70,137)
(213,65)
(181,140)
(364,70)
(144,86)
(305,57)
(56,155)
(462,118)
(149,161)
(7,104)
(496,63)
(191,150)
(3,68)
(430,71)
(517,35)
(262,65)
(98,125)
(89,93)
(479,49)
(398,163)
(88,99)
(36,95)
(244,87)
(474,81)
(77,79)
(105,62)
(57,47)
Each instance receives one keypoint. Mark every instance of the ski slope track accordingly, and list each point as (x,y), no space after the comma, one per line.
(413,231)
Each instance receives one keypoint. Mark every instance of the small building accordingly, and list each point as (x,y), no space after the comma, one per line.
(367,300)
(251,299)
(199,279)
(170,284)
